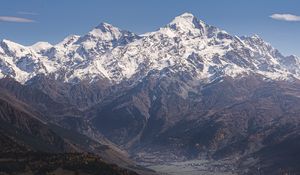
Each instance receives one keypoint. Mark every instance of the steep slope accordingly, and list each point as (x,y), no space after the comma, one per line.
(19,122)
(22,63)
(27,126)
(186,91)
(228,118)
(187,44)
(111,54)
(67,59)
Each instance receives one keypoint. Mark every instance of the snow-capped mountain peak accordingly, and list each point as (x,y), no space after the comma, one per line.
(13,49)
(185,44)
(10,44)
(106,27)
(187,23)
(102,38)
(106,32)
(187,19)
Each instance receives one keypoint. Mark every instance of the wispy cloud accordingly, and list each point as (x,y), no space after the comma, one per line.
(27,13)
(285,17)
(15,19)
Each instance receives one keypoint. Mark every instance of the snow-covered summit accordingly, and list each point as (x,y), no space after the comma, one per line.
(186,23)
(186,44)
(102,38)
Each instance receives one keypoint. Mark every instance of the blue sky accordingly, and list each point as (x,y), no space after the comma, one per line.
(29,21)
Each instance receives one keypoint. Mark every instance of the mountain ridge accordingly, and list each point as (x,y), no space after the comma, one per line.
(107,52)
(187,91)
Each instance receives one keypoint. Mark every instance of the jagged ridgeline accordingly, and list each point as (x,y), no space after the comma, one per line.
(185,44)
(188,93)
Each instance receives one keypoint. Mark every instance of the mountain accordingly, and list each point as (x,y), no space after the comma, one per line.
(25,127)
(187,91)
(67,59)
(186,43)
(30,130)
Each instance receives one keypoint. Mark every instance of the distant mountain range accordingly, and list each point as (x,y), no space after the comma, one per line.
(185,44)
(188,91)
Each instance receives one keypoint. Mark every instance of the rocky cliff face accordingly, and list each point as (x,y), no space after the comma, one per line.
(186,91)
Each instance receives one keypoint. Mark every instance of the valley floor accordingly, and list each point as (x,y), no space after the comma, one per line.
(195,167)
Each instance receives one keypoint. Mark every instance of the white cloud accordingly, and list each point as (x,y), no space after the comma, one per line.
(15,19)
(27,13)
(285,17)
